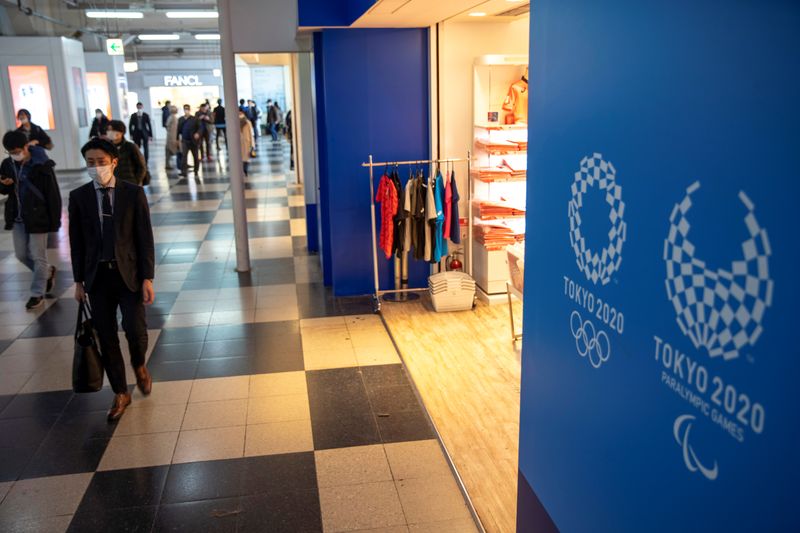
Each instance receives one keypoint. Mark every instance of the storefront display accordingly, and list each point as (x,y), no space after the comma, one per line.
(500,169)
(99,96)
(30,89)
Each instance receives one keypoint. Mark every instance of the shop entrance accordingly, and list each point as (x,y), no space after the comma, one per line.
(466,364)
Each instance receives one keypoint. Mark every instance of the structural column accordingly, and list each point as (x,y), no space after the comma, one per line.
(234,143)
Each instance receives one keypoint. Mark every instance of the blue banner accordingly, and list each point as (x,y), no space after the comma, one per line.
(660,369)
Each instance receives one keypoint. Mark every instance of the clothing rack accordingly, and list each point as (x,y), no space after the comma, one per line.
(401,263)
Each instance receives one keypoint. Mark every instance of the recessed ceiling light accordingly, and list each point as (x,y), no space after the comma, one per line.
(130,66)
(192,14)
(114,14)
(477,14)
(159,37)
(207,36)
(217,72)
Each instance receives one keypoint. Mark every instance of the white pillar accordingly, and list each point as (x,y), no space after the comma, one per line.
(236,171)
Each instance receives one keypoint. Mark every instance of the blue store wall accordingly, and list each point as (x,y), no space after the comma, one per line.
(659,391)
(372,98)
(327,13)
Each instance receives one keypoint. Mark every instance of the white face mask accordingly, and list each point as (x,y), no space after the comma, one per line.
(23,120)
(140,111)
(99,115)
(17,157)
(114,135)
(101,175)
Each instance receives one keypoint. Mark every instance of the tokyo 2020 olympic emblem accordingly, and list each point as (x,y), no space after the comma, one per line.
(597,266)
(721,310)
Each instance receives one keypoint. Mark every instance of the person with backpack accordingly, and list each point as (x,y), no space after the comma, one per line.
(33,209)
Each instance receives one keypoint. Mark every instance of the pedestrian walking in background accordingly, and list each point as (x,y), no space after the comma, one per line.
(172,145)
(272,120)
(99,124)
(33,133)
(253,113)
(113,262)
(141,130)
(206,123)
(131,166)
(33,209)
(219,124)
(165,112)
(189,134)
(248,141)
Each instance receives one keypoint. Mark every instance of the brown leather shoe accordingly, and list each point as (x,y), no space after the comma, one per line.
(121,401)
(143,380)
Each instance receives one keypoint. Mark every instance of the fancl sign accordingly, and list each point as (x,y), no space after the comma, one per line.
(182,81)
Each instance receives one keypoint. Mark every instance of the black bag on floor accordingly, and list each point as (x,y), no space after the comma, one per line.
(87,365)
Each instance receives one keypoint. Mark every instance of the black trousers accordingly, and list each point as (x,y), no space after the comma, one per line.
(187,147)
(108,293)
(224,131)
(144,141)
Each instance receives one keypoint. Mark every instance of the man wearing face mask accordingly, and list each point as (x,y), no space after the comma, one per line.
(113,261)
(33,209)
(132,166)
(141,130)
(189,134)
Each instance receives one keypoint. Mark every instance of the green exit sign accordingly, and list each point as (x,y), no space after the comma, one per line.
(114,47)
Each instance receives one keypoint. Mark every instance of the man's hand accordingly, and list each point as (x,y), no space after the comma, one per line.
(148,293)
(33,142)
(8,182)
(80,292)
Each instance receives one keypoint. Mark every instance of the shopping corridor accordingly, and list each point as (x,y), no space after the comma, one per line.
(275,406)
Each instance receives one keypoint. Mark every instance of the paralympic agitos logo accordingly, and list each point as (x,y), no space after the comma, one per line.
(721,311)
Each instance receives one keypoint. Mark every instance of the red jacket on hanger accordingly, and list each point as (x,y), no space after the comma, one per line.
(387,196)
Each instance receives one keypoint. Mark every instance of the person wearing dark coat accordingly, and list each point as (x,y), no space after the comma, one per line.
(189,134)
(141,130)
(99,124)
(131,166)
(113,265)
(33,209)
(35,134)
(165,112)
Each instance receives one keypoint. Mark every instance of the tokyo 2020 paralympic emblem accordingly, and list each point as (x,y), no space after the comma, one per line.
(597,266)
(721,310)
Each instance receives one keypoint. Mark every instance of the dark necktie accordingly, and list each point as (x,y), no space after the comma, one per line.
(108,227)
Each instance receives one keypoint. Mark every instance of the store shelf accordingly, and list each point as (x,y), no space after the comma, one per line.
(499,178)
(496,126)
(495,149)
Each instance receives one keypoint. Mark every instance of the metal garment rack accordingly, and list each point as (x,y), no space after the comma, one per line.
(401,263)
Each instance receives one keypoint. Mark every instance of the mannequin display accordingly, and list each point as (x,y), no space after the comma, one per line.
(516,102)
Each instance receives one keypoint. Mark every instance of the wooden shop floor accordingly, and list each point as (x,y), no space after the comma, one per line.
(467,371)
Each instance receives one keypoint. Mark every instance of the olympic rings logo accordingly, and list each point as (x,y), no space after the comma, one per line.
(589,342)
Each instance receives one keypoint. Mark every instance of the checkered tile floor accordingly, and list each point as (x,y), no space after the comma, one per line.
(275,407)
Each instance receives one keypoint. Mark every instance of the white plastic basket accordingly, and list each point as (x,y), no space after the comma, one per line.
(451,291)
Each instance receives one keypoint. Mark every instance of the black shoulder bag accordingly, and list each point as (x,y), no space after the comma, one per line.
(87,364)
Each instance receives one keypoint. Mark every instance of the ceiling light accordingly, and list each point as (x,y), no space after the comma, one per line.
(130,66)
(192,14)
(207,36)
(159,37)
(477,14)
(114,14)
(217,72)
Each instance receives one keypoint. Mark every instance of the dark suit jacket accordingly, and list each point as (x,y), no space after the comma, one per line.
(133,127)
(133,235)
